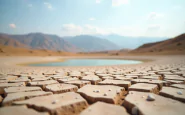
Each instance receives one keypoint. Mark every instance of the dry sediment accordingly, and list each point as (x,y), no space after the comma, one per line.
(43,88)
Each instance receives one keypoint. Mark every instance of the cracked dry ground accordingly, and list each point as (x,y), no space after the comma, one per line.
(149,89)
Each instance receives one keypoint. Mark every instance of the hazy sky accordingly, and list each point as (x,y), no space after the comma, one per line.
(163,18)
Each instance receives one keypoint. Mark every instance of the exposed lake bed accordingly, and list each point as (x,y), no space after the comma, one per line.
(55,86)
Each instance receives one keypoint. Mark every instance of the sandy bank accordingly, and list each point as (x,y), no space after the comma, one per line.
(15,61)
(22,61)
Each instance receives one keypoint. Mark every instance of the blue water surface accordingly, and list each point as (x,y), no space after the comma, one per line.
(88,62)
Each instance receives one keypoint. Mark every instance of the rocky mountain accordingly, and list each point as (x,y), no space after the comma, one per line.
(82,43)
(38,41)
(7,41)
(89,43)
(176,44)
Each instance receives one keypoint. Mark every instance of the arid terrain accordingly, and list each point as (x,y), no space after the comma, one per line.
(173,46)
(92,57)
(157,84)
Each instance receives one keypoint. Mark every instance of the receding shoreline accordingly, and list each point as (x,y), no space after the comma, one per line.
(63,60)
(24,61)
(41,62)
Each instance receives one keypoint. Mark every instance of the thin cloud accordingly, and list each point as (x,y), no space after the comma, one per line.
(116,3)
(177,7)
(154,15)
(92,19)
(73,29)
(48,5)
(12,26)
(98,1)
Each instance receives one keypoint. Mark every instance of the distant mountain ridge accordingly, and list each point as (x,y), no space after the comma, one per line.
(89,43)
(129,42)
(7,41)
(39,41)
(83,43)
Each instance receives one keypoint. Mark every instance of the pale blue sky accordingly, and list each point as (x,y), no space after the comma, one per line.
(163,18)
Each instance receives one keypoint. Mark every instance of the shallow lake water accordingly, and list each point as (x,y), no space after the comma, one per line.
(88,62)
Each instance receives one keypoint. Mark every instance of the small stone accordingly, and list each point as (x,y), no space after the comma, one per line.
(110,90)
(179,92)
(97,91)
(150,97)
(104,94)
(55,101)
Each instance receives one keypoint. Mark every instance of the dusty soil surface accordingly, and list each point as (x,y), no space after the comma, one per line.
(155,86)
